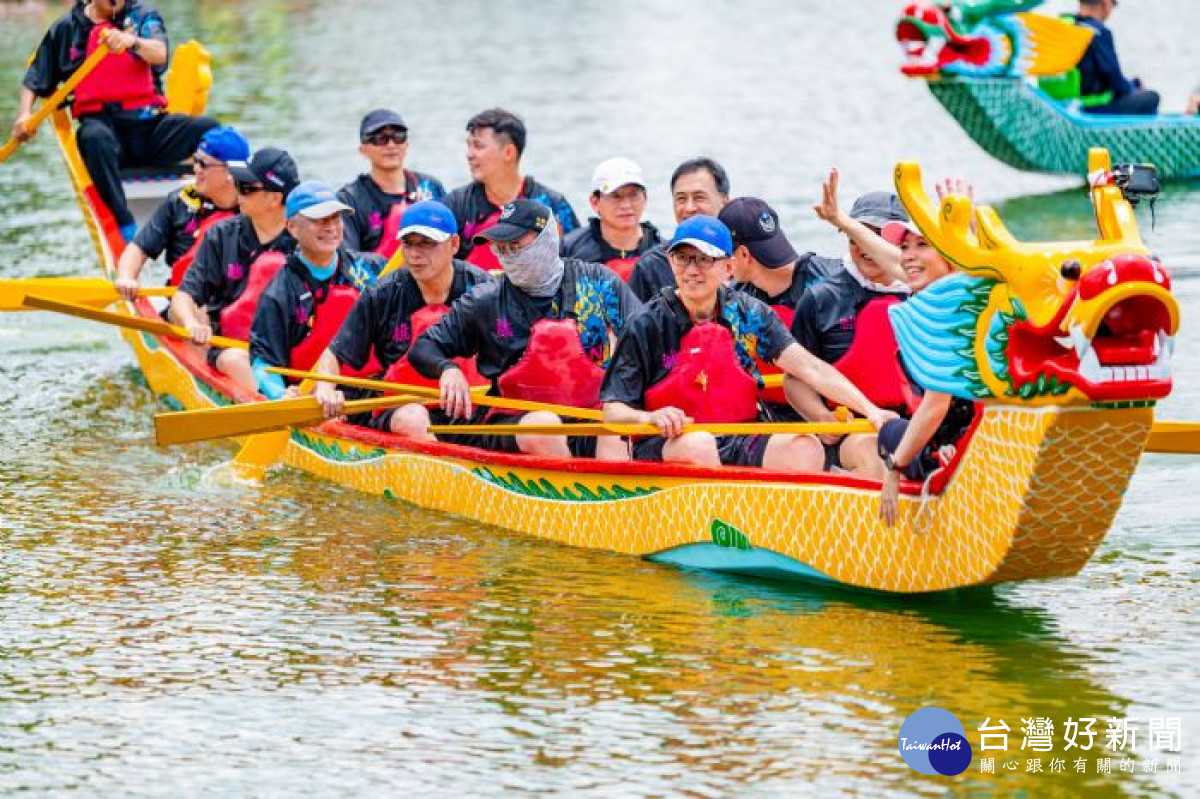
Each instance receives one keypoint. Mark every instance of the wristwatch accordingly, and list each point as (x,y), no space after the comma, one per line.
(889,461)
(137,43)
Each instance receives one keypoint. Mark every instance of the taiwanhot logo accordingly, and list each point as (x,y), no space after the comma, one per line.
(933,741)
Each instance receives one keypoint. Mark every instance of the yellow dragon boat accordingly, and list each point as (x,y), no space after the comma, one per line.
(1064,346)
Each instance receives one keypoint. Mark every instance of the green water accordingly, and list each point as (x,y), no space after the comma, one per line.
(164,635)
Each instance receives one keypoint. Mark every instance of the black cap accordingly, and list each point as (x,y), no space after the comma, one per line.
(379,119)
(516,219)
(271,167)
(877,208)
(755,226)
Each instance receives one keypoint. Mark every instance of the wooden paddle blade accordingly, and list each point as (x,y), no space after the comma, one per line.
(91,291)
(231,421)
(147,325)
(1177,438)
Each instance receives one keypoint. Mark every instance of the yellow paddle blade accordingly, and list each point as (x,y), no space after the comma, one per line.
(394,263)
(184,427)
(723,429)
(1178,438)
(94,291)
(55,100)
(259,453)
(433,393)
(155,326)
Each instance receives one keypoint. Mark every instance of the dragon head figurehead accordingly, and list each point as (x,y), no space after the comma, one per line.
(986,39)
(1038,323)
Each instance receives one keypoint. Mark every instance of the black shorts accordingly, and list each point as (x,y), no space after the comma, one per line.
(579,446)
(833,454)
(922,466)
(382,420)
(732,450)
(212,354)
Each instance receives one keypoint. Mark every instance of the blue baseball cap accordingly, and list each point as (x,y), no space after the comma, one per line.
(706,233)
(430,219)
(314,200)
(225,144)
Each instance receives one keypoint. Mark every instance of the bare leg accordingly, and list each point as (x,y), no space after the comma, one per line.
(545,446)
(412,421)
(795,453)
(236,365)
(696,449)
(612,448)
(859,453)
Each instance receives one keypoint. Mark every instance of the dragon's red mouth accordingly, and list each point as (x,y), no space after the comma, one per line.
(930,42)
(1129,355)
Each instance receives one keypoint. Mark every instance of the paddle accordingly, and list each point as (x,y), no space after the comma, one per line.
(95,291)
(155,326)
(724,429)
(433,393)
(231,421)
(55,100)
(1179,438)
(393,263)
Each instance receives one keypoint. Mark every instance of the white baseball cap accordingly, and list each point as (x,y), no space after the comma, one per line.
(614,173)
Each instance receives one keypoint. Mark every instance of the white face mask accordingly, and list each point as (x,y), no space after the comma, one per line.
(537,269)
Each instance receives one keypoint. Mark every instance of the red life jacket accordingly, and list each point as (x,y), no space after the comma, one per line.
(873,361)
(776,394)
(323,325)
(481,254)
(554,368)
(237,316)
(403,372)
(120,78)
(180,267)
(623,266)
(389,242)
(707,382)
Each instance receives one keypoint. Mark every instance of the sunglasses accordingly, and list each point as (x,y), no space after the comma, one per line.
(701,262)
(202,164)
(385,137)
(249,188)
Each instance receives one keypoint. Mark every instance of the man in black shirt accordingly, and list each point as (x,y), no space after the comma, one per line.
(381,324)
(304,304)
(495,143)
(616,236)
(119,105)
(222,286)
(690,356)
(379,197)
(1103,87)
(181,220)
(698,186)
(543,332)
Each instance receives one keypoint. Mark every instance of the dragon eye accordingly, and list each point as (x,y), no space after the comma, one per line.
(1071,270)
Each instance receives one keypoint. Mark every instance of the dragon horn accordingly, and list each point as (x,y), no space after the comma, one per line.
(948,230)
(992,232)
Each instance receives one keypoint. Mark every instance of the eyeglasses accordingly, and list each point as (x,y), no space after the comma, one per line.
(508,248)
(201,164)
(701,262)
(384,137)
(249,188)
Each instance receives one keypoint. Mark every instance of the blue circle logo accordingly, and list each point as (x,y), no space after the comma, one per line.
(933,741)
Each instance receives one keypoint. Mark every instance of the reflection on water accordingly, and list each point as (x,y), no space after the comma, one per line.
(163,634)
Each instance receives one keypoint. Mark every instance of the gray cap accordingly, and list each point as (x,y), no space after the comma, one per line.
(877,208)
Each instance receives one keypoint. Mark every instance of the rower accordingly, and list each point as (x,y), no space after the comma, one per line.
(698,186)
(616,236)
(495,143)
(120,107)
(690,356)
(393,313)
(543,332)
(304,305)
(379,197)
(915,448)
(180,222)
(236,260)
(843,321)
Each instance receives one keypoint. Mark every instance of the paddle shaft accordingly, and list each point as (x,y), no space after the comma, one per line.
(55,100)
(155,326)
(1174,438)
(721,429)
(433,393)
(184,427)
(94,291)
